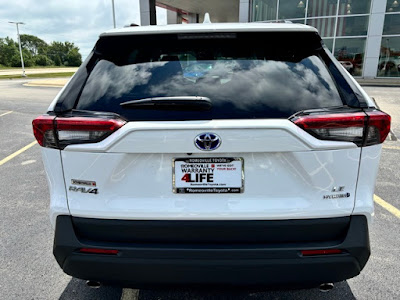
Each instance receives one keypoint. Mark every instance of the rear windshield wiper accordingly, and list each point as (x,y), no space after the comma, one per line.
(170,103)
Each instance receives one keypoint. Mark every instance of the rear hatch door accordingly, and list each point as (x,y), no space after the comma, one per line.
(242,157)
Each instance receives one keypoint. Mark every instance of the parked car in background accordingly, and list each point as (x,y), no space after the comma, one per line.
(348,66)
(389,65)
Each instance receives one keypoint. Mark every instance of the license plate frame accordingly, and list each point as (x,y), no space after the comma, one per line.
(209,188)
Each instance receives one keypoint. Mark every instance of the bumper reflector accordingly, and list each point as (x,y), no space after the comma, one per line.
(98,251)
(321,252)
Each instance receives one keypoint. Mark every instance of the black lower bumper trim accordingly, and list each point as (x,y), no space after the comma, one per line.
(144,265)
(209,232)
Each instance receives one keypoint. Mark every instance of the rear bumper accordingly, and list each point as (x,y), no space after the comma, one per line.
(144,264)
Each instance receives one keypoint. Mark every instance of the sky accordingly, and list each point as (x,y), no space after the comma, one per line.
(76,21)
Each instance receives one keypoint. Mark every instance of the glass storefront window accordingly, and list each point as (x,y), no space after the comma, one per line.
(317,8)
(292,9)
(350,53)
(392,24)
(393,6)
(343,26)
(328,43)
(263,10)
(354,7)
(325,26)
(352,26)
(298,21)
(389,59)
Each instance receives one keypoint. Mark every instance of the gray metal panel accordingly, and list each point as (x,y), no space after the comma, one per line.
(375,29)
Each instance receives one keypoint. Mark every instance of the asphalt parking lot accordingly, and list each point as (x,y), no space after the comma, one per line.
(27,267)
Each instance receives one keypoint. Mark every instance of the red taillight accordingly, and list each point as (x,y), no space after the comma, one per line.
(362,128)
(98,251)
(43,130)
(378,125)
(59,132)
(321,252)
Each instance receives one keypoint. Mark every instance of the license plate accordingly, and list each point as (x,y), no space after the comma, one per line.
(208,175)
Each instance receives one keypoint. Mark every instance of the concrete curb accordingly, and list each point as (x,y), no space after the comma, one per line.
(48,83)
(35,71)
(380,82)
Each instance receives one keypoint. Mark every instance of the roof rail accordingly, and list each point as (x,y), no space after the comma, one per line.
(276,21)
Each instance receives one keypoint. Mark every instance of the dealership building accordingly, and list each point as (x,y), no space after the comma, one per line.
(363,34)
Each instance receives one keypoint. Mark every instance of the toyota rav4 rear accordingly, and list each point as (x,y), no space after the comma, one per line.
(212,154)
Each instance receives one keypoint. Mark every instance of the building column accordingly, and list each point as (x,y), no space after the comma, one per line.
(244,11)
(193,18)
(147,12)
(373,44)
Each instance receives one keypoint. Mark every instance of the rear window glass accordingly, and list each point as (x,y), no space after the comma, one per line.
(246,75)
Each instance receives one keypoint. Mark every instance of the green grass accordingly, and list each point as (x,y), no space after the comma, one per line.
(44,75)
(34,67)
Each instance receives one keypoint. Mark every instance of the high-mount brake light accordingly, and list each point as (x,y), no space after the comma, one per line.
(361,128)
(59,132)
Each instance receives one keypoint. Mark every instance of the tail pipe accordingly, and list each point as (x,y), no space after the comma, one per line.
(93,284)
(326,287)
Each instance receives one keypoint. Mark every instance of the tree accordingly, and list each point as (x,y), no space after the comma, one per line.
(33,44)
(57,61)
(74,58)
(43,60)
(66,53)
(8,49)
(58,52)
(38,52)
(16,59)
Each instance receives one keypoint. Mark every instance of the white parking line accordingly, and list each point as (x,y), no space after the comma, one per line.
(130,294)
(6,113)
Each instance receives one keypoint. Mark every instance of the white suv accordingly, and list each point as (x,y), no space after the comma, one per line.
(257,170)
